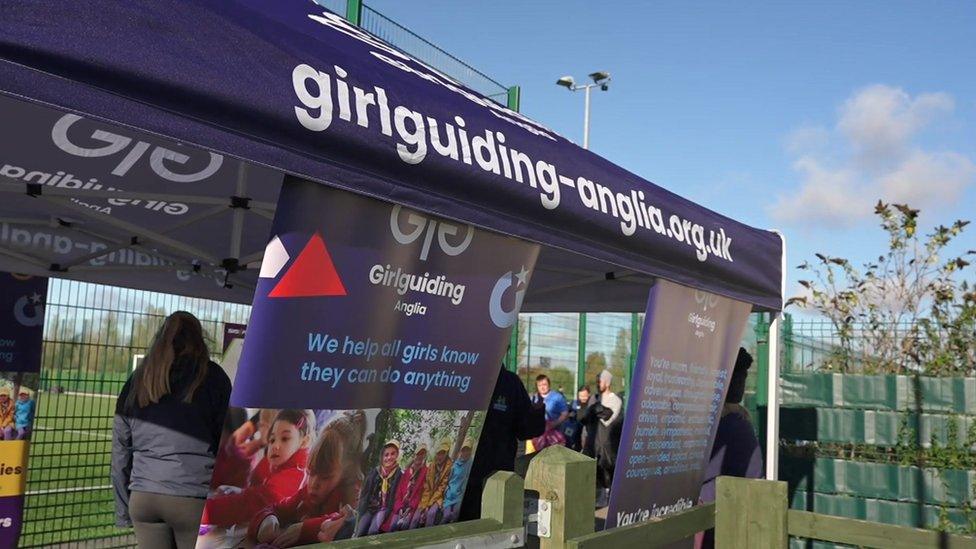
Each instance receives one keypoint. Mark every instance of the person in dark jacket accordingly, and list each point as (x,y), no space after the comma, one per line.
(511,417)
(167,427)
(587,421)
(736,451)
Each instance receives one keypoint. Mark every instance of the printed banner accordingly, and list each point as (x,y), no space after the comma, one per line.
(233,345)
(687,352)
(374,344)
(233,331)
(22,300)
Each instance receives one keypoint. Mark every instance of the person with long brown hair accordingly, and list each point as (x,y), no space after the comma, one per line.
(168,421)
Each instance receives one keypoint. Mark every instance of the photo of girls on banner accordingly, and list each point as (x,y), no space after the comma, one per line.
(370,357)
(22,301)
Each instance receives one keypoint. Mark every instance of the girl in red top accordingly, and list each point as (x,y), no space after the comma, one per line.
(278,475)
(408,492)
(320,510)
(239,449)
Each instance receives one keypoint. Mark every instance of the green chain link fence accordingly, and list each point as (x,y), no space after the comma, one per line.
(93,336)
(423,50)
(864,434)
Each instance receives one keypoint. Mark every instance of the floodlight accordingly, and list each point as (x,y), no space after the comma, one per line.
(601,79)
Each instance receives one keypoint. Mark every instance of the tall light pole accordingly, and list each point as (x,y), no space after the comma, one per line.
(600,79)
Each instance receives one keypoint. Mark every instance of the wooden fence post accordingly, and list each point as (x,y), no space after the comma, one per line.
(566,483)
(750,513)
(502,499)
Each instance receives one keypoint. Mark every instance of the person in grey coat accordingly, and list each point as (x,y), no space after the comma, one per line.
(167,426)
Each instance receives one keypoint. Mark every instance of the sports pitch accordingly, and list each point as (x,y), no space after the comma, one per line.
(69,495)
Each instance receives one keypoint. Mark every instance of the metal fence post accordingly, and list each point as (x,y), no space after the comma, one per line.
(750,513)
(354,11)
(514,97)
(762,359)
(787,343)
(581,352)
(511,358)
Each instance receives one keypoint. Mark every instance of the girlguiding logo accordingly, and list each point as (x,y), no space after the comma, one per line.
(421,223)
(701,322)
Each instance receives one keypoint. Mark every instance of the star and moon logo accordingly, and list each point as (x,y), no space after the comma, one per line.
(499,316)
(29,310)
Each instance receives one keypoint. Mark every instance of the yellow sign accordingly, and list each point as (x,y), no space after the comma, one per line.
(13,467)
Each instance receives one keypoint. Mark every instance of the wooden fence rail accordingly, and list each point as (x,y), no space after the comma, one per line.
(747,514)
(871,534)
(651,534)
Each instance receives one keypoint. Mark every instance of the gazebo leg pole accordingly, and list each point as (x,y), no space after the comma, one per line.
(772,399)
(772,386)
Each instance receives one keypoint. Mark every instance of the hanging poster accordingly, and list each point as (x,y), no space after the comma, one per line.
(22,301)
(233,331)
(375,340)
(688,348)
(233,345)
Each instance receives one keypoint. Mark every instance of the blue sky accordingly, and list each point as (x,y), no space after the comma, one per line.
(782,115)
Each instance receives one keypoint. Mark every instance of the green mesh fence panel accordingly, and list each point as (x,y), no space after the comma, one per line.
(426,51)
(880,481)
(548,344)
(881,392)
(877,510)
(423,50)
(93,337)
(867,430)
(869,427)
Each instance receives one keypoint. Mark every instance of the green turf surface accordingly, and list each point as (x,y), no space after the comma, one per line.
(68,472)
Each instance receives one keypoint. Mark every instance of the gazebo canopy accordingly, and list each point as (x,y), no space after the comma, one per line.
(144,145)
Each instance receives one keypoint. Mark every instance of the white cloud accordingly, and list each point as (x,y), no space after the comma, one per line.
(880,121)
(807,138)
(871,154)
(928,179)
(824,188)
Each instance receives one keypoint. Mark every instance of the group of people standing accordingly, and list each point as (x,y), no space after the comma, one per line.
(590,424)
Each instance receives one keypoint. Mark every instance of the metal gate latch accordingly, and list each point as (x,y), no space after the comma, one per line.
(538,517)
